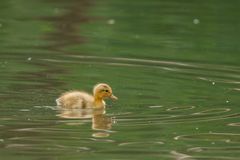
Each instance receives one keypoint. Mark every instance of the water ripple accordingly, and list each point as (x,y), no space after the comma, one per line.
(132,144)
(214,149)
(212,137)
(165,65)
(231,153)
(175,115)
(180,108)
(213,111)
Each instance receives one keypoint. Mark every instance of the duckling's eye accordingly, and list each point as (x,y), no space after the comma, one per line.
(105,90)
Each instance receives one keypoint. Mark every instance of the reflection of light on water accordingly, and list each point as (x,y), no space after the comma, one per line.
(180,108)
(131,60)
(171,66)
(102,140)
(119,59)
(180,156)
(236,89)
(100,134)
(220,81)
(111,21)
(20,146)
(212,137)
(74,123)
(234,124)
(155,106)
(24,110)
(214,149)
(47,107)
(140,143)
(196,21)
(174,115)
(215,111)
(195,149)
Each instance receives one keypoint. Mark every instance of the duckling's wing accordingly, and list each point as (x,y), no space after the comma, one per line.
(75,99)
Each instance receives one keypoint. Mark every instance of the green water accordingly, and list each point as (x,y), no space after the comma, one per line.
(174,66)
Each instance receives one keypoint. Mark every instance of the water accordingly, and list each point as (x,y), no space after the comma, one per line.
(174,66)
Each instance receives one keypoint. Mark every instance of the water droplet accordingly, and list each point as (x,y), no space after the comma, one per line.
(196,21)
(213,83)
(29,58)
(111,21)
(176,138)
(227,101)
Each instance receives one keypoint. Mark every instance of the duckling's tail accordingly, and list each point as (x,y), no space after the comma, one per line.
(58,101)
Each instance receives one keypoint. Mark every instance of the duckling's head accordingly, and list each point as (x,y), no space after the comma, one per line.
(103,91)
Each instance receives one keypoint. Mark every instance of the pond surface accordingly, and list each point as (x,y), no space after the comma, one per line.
(173,65)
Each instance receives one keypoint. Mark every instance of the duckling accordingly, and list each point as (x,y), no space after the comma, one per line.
(81,100)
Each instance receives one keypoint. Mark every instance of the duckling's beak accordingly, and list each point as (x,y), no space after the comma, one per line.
(113,97)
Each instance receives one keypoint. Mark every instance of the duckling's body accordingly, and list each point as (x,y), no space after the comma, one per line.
(75,99)
(81,100)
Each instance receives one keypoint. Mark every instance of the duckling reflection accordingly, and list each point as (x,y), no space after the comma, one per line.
(100,121)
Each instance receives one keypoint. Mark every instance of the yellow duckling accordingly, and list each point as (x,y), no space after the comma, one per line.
(81,100)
